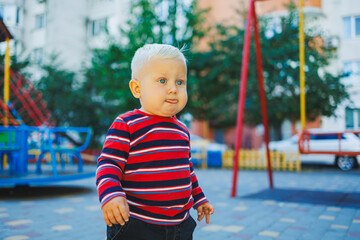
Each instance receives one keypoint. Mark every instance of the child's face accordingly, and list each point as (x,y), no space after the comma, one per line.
(161,87)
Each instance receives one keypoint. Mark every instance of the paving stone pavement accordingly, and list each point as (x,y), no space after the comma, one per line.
(321,205)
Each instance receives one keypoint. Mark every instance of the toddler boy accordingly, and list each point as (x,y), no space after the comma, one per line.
(145,178)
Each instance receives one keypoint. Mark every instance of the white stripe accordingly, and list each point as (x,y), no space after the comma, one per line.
(158,148)
(111,194)
(113,156)
(201,199)
(156,129)
(156,189)
(135,120)
(184,125)
(157,169)
(117,138)
(159,220)
(181,122)
(106,165)
(103,180)
(135,204)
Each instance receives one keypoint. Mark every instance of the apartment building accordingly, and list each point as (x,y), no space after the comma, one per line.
(67,29)
(342,24)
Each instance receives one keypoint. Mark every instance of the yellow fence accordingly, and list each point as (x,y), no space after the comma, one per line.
(85,157)
(256,160)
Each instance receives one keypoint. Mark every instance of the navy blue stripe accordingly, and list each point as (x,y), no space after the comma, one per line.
(156,184)
(159,143)
(156,164)
(158,203)
(110,190)
(132,117)
(144,130)
(116,152)
(110,161)
(163,150)
(107,176)
(119,133)
(198,196)
(195,184)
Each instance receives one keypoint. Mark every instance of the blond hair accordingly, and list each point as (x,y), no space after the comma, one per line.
(149,51)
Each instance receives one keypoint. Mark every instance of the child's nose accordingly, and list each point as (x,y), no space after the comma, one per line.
(172,88)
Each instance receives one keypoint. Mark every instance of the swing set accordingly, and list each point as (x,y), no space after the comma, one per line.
(304,135)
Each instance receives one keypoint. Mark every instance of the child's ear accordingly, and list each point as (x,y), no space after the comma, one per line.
(135,88)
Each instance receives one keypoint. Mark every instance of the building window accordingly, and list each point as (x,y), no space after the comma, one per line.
(2,12)
(351,27)
(352,118)
(357,26)
(17,16)
(40,21)
(351,72)
(38,55)
(98,26)
(346,27)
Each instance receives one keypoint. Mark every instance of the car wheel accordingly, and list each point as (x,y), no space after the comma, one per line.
(345,163)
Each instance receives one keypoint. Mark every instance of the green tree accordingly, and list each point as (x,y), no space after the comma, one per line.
(17,63)
(107,77)
(215,76)
(66,99)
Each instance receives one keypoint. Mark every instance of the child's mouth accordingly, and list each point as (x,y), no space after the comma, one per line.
(171,101)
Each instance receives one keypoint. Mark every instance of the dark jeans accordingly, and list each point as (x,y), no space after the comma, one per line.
(136,229)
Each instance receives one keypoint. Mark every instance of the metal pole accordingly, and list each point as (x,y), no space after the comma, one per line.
(242,95)
(6,82)
(262,95)
(302,64)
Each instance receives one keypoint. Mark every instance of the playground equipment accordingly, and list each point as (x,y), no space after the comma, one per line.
(21,141)
(345,155)
(304,135)
(251,22)
(32,133)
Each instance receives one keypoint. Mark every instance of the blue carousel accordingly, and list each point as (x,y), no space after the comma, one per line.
(32,150)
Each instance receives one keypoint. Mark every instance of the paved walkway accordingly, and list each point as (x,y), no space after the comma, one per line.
(309,205)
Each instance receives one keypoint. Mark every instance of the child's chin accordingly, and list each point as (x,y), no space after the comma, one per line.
(168,114)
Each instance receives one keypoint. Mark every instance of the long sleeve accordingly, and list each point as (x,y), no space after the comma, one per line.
(112,161)
(197,193)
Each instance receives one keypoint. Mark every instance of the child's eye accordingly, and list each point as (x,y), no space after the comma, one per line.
(179,82)
(162,80)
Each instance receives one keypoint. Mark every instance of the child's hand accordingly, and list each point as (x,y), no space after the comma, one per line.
(116,211)
(205,210)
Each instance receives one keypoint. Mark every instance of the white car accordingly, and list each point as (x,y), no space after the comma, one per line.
(349,143)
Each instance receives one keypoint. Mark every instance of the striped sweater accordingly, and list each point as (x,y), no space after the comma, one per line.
(147,159)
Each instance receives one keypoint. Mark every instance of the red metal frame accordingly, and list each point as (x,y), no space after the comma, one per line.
(27,101)
(13,121)
(251,22)
(305,149)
